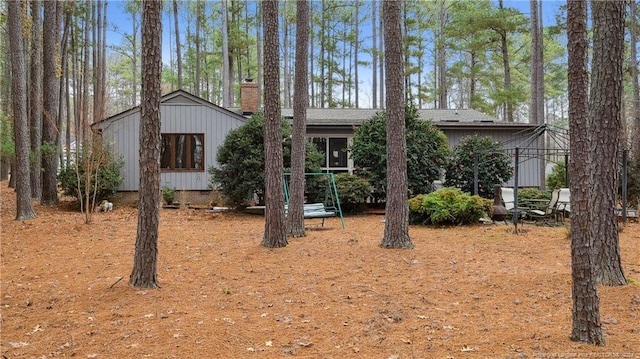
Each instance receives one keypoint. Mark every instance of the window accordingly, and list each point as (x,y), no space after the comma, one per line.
(321,144)
(334,149)
(182,152)
(337,152)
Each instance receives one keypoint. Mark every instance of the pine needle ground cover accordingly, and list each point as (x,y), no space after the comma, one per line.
(463,292)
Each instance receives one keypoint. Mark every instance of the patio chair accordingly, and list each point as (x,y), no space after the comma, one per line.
(508,201)
(549,212)
(564,202)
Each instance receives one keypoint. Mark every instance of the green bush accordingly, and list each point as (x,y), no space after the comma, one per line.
(168,194)
(448,206)
(494,165)
(108,174)
(427,152)
(353,192)
(557,178)
(241,160)
(533,193)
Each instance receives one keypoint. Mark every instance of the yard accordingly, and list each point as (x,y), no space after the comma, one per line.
(463,292)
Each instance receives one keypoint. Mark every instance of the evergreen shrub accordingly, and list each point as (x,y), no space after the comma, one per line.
(448,205)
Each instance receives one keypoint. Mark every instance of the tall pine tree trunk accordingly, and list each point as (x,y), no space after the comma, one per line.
(374,56)
(635,87)
(24,208)
(178,49)
(35,98)
(535,43)
(442,58)
(295,216)
(274,228)
(605,126)
(51,87)
(586,326)
(396,229)
(356,49)
(198,44)
(144,274)
(226,70)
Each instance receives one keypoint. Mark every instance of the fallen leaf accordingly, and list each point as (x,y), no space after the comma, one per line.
(467,348)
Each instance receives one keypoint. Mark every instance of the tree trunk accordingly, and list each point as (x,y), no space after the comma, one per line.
(442,58)
(295,216)
(381,83)
(504,46)
(144,273)
(356,49)
(84,128)
(259,55)
(24,208)
(396,229)
(198,46)
(286,75)
(586,308)
(274,229)
(134,59)
(374,57)
(540,70)
(605,126)
(51,87)
(535,43)
(226,70)
(322,55)
(635,114)
(178,49)
(63,99)
(35,98)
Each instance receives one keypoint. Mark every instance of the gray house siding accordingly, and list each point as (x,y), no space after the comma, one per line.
(529,168)
(181,113)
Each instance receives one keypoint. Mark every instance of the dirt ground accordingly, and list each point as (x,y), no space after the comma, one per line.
(463,292)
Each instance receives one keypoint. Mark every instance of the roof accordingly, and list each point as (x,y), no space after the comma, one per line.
(442,118)
(181,97)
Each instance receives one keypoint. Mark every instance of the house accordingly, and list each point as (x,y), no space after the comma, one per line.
(193,129)
(331,130)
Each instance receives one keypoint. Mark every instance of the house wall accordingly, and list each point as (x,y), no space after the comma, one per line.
(530,166)
(123,135)
(529,174)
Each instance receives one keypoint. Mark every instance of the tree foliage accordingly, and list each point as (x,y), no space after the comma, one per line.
(241,159)
(494,165)
(104,178)
(557,178)
(448,206)
(353,192)
(427,152)
(7,145)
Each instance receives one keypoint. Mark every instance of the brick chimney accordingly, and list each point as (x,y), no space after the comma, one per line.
(249,97)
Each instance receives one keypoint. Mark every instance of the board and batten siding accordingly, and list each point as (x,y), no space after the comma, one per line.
(122,134)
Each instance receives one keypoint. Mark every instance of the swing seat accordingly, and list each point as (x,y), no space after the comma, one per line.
(315,210)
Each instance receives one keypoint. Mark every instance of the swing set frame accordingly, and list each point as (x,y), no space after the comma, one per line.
(331,194)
